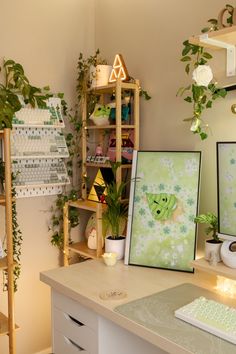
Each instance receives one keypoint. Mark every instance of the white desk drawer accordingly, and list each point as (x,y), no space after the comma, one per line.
(63,345)
(80,334)
(78,312)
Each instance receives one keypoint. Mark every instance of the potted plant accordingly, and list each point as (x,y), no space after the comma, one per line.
(115,215)
(212,246)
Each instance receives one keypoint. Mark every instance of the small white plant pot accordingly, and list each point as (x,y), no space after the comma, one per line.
(100,75)
(212,250)
(115,245)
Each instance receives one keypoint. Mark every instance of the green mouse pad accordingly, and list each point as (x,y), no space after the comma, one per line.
(156,312)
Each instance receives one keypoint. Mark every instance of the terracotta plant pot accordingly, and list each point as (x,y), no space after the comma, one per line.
(115,245)
(212,248)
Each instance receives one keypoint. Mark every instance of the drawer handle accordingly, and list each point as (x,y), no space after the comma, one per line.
(76,321)
(71,342)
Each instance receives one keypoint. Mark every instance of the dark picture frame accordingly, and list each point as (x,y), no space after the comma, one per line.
(164,196)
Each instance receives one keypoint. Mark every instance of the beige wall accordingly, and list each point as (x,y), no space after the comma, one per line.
(149,34)
(46,37)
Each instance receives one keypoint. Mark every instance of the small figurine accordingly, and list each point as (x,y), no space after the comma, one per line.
(98,151)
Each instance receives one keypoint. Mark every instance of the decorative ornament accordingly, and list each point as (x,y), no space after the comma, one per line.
(119,70)
(98,191)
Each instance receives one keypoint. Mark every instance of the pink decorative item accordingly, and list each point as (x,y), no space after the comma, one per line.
(126,148)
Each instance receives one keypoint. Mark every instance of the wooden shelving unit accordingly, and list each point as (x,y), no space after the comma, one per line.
(219,269)
(84,204)
(7,323)
(117,88)
(81,247)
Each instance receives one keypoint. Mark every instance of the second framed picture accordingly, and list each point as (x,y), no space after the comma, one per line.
(163,204)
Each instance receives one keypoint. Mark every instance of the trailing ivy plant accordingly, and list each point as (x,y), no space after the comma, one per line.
(74,117)
(16,232)
(16,89)
(203,91)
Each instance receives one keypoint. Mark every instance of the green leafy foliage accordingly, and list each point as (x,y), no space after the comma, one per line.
(201,97)
(117,209)
(16,232)
(16,83)
(210,219)
(56,226)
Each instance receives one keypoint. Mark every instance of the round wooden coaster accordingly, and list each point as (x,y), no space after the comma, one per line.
(113,294)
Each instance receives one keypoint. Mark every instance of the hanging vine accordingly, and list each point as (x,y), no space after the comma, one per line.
(16,232)
(204,90)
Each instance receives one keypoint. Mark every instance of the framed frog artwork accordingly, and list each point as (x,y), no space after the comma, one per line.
(163,204)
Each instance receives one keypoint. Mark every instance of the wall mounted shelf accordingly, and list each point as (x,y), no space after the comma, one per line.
(222,39)
(219,269)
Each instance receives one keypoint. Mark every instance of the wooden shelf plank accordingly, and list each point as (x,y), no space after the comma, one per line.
(112,126)
(2,199)
(3,263)
(85,204)
(4,325)
(111,87)
(219,269)
(226,35)
(106,165)
(82,248)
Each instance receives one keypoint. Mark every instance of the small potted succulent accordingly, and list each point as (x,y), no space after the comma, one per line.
(212,246)
(115,215)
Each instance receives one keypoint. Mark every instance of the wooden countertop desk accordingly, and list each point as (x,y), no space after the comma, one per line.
(85,282)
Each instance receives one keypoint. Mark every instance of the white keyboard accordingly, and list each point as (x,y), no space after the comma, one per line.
(38,117)
(211,316)
(26,143)
(39,172)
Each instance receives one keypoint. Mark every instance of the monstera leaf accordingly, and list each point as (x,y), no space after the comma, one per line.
(162,205)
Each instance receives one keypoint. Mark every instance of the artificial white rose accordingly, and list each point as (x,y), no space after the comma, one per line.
(202,75)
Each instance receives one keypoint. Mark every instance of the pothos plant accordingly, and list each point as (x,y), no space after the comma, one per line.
(203,91)
(74,117)
(16,89)
(16,232)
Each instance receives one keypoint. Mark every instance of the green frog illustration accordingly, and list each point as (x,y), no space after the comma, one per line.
(102,111)
(162,205)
